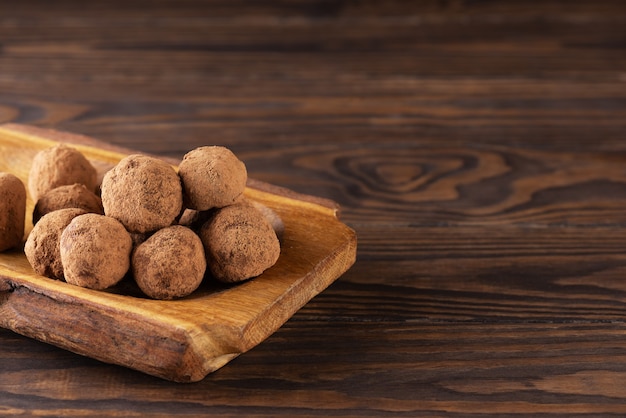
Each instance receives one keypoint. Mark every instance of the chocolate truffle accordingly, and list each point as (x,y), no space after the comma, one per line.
(170,264)
(212,176)
(143,193)
(68,196)
(12,211)
(59,166)
(239,243)
(95,251)
(42,246)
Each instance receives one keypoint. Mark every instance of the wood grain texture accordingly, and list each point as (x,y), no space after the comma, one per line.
(476,147)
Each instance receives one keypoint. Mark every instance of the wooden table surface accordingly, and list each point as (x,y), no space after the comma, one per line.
(478,149)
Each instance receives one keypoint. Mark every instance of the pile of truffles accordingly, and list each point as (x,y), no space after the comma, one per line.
(164,228)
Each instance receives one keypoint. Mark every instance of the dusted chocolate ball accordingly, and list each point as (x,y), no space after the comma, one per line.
(69,196)
(95,251)
(42,246)
(170,264)
(12,211)
(59,166)
(143,193)
(239,243)
(213,177)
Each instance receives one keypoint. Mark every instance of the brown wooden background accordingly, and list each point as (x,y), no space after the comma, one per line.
(478,148)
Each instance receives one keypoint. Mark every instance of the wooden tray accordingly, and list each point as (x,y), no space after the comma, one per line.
(180,340)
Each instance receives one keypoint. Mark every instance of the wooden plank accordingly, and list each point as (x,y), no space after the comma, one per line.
(180,340)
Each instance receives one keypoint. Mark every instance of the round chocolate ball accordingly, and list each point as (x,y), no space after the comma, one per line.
(42,246)
(213,177)
(59,166)
(143,193)
(170,264)
(95,251)
(239,242)
(68,196)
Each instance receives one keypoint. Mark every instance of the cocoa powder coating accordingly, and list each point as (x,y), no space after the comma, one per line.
(42,246)
(95,251)
(212,177)
(12,211)
(170,264)
(68,196)
(59,166)
(239,242)
(143,193)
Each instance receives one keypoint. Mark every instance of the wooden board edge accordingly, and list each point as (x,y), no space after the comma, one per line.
(37,315)
(339,260)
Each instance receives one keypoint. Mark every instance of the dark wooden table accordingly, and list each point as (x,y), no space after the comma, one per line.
(478,148)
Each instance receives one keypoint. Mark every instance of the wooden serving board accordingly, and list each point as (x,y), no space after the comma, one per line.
(181,340)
